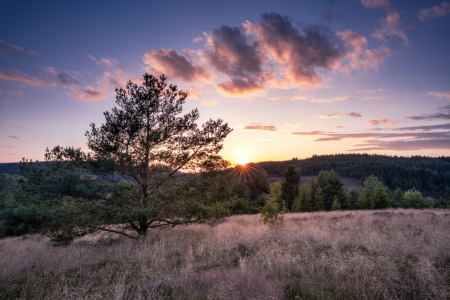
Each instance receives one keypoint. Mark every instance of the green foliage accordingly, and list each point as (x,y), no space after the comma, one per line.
(276,191)
(330,185)
(290,185)
(374,195)
(398,199)
(132,178)
(335,205)
(271,214)
(413,199)
(352,198)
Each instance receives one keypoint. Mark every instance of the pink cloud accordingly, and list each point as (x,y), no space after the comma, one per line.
(387,122)
(300,54)
(391,26)
(335,99)
(434,12)
(358,55)
(440,95)
(176,66)
(21,77)
(89,94)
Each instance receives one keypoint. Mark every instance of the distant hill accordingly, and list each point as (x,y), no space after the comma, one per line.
(430,175)
(10,168)
(348,182)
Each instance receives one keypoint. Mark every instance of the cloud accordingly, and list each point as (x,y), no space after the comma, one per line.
(335,99)
(434,12)
(109,62)
(293,124)
(229,52)
(13,126)
(386,122)
(21,77)
(301,54)
(62,77)
(376,3)
(176,66)
(339,126)
(445,115)
(263,140)
(89,93)
(372,98)
(404,145)
(197,39)
(11,146)
(193,94)
(370,91)
(391,26)
(289,98)
(16,50)
(210,102)
(440,95)
(338,115)
(358,56)
(259,127)
(12,93)
(12,137)
(311,133)
(422,128)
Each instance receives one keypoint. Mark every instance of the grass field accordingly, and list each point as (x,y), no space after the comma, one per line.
(389,254)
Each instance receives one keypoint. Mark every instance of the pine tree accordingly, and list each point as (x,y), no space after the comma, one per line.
(335,205)
(290,186)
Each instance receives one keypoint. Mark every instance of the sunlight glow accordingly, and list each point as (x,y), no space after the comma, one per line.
(243,161)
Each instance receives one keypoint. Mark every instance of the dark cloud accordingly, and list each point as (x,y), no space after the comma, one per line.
(422,128)
(403,142)
(176,65)
(65,78)
(230,53)
(340,115)
(445,115)
(301,53)
(404,145)
(16,50)
(259,127)
(327,15)
(383,121)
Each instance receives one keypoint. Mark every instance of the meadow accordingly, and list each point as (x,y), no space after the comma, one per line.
(381,254)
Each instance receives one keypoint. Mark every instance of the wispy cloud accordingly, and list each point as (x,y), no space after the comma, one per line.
(16,50)
(383,121)
(12,137)
(372,98)
(210,102)
(340,115)
(440,95)
(339,126)
(293,124)
(444,115)
(259,127)
(62,77)
(14,126)
(370,91)
(376,3)
(335,99)
(391,26)
(434,12)
(21,77)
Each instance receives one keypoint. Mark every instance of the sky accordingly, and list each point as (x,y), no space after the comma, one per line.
(292,78)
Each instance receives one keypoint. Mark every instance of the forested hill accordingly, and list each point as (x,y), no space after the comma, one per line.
(10,168)
(424,173)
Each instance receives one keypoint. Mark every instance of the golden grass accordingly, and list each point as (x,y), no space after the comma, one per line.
(389,254)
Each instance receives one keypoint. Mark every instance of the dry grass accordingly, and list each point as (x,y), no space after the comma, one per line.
(390,254)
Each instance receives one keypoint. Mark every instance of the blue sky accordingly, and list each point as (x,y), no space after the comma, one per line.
(293,78)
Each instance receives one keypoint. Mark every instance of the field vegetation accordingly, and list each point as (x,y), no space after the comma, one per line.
(381,254)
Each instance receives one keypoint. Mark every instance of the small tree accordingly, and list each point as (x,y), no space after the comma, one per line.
(136,158)
(271,214)
(290,186)
(335,205)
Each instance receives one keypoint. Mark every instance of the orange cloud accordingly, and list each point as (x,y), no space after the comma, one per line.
(210,102)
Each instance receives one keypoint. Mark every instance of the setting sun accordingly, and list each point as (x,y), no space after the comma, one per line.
(243,161)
